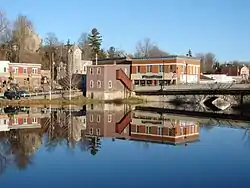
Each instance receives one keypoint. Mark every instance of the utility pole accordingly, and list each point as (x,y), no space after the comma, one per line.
(96,59)
(69,69)
(186,73)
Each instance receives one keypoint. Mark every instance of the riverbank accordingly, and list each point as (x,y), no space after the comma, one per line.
(74,101)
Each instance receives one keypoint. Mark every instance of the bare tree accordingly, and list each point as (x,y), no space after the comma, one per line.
(208,61)
(5,30)
(21,31)
(83,43)
(146,48)
(51,40)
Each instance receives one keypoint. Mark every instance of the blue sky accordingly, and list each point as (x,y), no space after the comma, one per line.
(218,26)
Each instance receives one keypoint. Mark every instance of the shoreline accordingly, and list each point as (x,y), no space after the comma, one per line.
(78,101)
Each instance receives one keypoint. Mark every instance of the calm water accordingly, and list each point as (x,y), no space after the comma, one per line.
(84,148)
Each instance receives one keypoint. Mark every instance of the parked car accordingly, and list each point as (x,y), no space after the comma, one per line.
(11,94)
(11,110)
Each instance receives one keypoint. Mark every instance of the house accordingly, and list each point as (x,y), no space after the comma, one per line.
(76,69)
(27,75)
(108,82)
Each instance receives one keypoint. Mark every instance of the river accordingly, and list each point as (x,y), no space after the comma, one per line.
(118,146)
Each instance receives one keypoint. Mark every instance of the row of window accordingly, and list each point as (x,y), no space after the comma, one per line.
(98,70)
(149,68)
(149,130)
(170,68)
(25,120)
(99,84)
(25,70)
(98,119)
(98,131)
(171,132)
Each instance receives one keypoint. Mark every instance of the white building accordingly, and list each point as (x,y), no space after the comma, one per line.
(77,65)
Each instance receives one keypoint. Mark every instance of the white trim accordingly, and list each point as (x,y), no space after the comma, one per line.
(110,118)
(98,119)
(98,70)
(26,65)
(110,85)
(99,84)
(156,135)
(91,84)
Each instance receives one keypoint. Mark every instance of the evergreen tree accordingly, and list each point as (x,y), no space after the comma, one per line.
(95,42)
(189,54)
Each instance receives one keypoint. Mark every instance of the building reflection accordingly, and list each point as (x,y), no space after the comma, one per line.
(122,123)
(163,128)
(23,130)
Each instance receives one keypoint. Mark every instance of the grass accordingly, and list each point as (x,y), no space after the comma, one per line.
(75,101)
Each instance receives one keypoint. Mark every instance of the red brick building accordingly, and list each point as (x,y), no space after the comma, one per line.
(26,74)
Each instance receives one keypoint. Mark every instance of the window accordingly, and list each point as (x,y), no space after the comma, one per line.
(137,128)
(110,84)
(98,70)
(181,131)
(34,70)
(24,120)
(5,122)
(148,129)
(99,84)
(91,118)
(126,71)
(171,68)
(15,70)
(15,121)
(25,70)
(34,120)
(195,128)
(4,69)
(98,118)
(149,68)
(159,131)
(91,131)
(91,83)
(109,118)
(98,132)
(161,68)
(138,69)
(192,130)
(197,70)
(92,107)
(90,70)
(136,82)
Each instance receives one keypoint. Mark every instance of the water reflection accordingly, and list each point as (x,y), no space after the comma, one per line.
(23,130)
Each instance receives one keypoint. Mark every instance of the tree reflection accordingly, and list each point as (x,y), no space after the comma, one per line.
(22,146)
(94,145)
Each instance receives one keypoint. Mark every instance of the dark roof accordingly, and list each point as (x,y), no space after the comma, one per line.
(144,58)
